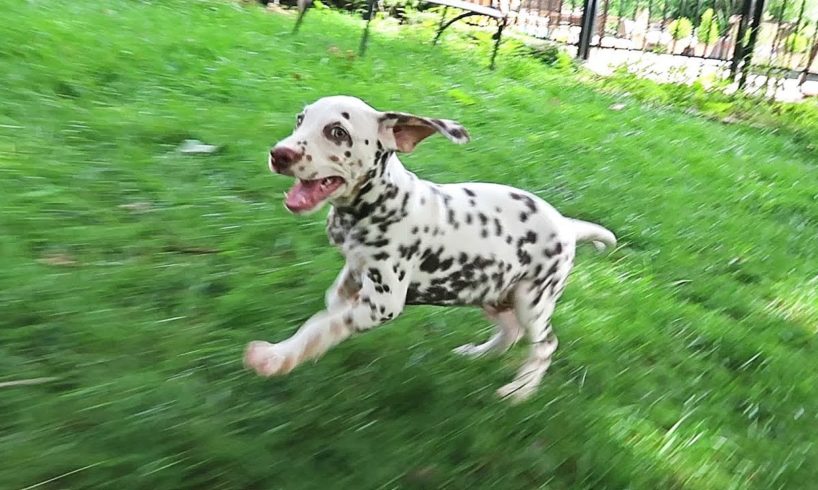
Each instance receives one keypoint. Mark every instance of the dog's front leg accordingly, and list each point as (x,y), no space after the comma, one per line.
(380,299)
(345,288)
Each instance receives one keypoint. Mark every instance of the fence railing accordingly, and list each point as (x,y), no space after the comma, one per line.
(754,40)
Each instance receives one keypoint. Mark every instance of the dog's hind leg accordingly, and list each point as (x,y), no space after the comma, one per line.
(534,306)
(507,332)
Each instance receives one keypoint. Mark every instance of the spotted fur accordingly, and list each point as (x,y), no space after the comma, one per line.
(408,241)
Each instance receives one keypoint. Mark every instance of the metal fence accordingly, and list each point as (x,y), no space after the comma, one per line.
(759,43)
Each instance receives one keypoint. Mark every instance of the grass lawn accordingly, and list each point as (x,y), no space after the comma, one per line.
(134,275)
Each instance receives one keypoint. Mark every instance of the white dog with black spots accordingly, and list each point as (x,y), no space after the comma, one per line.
(408,241)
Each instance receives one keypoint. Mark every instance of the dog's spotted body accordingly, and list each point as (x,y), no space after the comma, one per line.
(409,242)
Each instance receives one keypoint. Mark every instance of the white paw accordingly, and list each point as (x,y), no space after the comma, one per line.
(469,350)
(516,391)
(266,359)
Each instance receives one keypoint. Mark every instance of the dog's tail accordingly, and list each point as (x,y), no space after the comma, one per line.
(591,232)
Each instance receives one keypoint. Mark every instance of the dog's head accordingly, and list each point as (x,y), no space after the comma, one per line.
(339,143)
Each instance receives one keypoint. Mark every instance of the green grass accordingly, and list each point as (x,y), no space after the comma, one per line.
(688,357)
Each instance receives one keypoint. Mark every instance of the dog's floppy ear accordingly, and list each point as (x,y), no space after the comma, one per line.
(402,132)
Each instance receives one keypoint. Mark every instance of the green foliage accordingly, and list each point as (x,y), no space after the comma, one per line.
(798,120)
(680,28)
(708,31)
(783,10)
(133,276)
(399,8)
(796,43)
(553,55)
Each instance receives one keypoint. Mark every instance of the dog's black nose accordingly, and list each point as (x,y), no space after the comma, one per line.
(283,157)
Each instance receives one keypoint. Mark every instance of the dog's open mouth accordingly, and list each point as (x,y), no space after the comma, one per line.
(307,194)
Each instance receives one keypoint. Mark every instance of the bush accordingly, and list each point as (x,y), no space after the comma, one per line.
(553,55)
(547,53)
(800,120)
(399,8)
(680,28)
(796,43)
(708,31)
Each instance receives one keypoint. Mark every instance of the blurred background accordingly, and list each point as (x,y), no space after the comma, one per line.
(143,243)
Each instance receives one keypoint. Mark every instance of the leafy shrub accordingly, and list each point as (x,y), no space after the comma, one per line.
(399,8)
(708,31)
(546,53)
(796,43)
(680,28)
(552,55)
(799,120)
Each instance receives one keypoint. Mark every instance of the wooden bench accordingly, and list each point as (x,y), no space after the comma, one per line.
(499,10)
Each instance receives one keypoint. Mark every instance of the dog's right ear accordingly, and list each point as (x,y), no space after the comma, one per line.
(402,132)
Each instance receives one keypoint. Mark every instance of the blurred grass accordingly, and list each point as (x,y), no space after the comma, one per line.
(687,359)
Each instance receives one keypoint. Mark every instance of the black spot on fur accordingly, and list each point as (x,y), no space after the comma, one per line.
(468,192)
(345,114)
(531,237)
(555,251)
(450,218)
(379,243)
(409,251)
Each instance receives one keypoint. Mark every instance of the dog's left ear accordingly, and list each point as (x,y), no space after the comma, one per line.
(402,132)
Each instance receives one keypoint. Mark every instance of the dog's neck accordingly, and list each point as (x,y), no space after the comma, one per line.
(389,180)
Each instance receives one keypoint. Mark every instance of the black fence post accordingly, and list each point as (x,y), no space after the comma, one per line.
(738,52)
(746,62)
(587,32)
(813,53)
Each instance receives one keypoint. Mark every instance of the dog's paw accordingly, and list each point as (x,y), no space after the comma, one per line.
(469,350)
(516,392)
(265,359)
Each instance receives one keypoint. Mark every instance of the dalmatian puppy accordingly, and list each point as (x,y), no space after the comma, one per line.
(408,241)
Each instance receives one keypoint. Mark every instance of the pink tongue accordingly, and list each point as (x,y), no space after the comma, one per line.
(304,195)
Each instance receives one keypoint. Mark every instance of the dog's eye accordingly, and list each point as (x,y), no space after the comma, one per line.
(299,119)
(339,133)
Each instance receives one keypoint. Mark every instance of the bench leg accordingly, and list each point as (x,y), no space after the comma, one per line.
(440,27)
(301,15)
(501,25)
(370,12)
(447,24)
